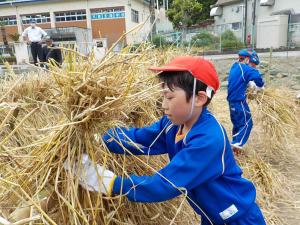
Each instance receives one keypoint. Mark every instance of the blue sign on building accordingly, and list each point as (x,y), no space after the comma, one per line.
(107,15)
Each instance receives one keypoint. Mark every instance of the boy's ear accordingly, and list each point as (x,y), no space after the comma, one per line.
(201,98)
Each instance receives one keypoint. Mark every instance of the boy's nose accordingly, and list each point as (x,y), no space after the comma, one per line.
(164,104)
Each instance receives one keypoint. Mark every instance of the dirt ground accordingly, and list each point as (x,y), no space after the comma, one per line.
(284,72)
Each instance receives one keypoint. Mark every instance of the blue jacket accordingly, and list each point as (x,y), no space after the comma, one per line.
(239,76)
(201,165)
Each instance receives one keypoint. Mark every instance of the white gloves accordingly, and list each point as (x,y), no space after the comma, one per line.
(252,85)
(93,177)
(260,88)
(254,88)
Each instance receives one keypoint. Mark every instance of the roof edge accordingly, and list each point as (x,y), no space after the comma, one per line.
(226,2)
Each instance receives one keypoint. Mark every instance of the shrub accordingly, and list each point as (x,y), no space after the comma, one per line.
(204,39)
(159,41)
(228,35)
(228,45)
(230,41)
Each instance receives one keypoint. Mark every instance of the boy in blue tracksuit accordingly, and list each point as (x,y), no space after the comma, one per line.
(240,75)
(201,164)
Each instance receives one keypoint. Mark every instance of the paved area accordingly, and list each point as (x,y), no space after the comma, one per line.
(261,54)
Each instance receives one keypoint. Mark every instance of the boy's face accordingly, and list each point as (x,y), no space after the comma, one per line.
(252,65)
(175,104)
(49,42)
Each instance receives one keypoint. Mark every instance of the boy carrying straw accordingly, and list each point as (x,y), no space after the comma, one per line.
(242,74)
(202,165)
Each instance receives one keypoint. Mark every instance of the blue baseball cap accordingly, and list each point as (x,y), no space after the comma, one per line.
(243,53)
(254,58)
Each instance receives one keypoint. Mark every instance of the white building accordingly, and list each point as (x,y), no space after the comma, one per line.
(268,23)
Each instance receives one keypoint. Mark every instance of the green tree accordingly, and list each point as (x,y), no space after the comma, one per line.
(206,9)
(184,13)
(195,11)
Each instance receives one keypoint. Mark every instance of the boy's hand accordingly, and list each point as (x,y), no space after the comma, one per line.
(93,177)
(252,85)
(260,88)
(237,150)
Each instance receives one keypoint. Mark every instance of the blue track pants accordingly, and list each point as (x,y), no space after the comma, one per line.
(242,122)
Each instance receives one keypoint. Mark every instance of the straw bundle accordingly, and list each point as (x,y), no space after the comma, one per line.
(277,116)
(269,182)
(89,100)
(278,112)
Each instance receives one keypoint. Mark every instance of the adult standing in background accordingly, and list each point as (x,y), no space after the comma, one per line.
(33,35)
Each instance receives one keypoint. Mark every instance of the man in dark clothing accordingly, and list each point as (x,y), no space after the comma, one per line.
(51,52)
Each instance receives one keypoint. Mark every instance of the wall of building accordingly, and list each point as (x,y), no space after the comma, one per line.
(231,18)
(104,29)
(163,24)
(293,36)
(81,24)
(231,14)
(41,25)
(279,5)
(9,30)
(275,28)
(144,17)
(112,28)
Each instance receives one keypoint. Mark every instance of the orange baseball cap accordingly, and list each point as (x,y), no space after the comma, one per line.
(200,68)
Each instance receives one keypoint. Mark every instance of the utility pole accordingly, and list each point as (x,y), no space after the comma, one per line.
(245,22)
(152,17)
(253,32)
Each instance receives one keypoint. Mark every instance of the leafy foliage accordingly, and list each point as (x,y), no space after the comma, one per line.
(159,41)
(204,39)
(189,12)
(230,41)
(184,13)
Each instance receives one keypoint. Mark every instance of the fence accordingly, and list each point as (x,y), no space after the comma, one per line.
(229,38)
(4,51)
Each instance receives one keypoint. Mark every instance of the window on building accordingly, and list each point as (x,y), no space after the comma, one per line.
(294,24)
(236,26)
(108,13)
(39,18)
(8,20)
(295,18)
(134,16)
(70,16)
